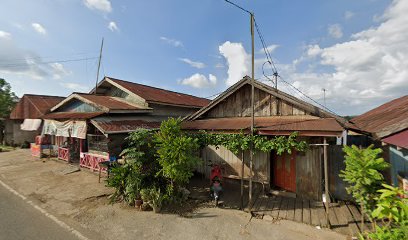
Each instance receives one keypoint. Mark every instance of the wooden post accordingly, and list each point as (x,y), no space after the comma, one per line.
(242,180)
(326,181)
(251,155)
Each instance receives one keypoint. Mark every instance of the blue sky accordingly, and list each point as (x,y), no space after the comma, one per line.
(355,49)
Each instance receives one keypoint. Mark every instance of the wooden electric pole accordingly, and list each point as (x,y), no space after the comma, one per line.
(99,66)
(251,157)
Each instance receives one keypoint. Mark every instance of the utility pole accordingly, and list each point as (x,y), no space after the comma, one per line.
(275,74)
(251,158)
(99,66)
(324,96)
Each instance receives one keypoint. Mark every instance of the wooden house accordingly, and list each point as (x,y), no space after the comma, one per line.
(388,124)
(24,122)
(91,127)
(276,114)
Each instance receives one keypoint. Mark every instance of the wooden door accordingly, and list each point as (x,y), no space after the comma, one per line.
(284,169)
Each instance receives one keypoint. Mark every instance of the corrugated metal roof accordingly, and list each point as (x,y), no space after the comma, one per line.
(109,102)
(111,125)
(72,115)
(399,139)
(152,94)
(33,106)
(386,119)
(274,124)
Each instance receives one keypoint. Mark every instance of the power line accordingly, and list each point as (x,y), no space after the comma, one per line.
(270,61)
(38,57)
(48,62)
(324,107)
(236,5)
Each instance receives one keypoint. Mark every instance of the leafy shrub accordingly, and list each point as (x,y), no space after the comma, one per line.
(177,152)
(362,172)
(154,197)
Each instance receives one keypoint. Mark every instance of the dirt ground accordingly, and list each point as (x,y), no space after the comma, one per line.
(77,198)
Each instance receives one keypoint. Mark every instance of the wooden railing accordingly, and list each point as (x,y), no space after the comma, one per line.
(63,153)
(91,161)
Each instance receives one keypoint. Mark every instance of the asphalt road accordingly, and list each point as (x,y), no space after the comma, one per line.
(19,220)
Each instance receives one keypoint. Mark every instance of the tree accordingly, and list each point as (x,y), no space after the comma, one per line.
(7,101)
(7,98)
(362,172)
(177,152)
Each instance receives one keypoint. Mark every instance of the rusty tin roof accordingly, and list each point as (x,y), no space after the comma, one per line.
(386,119)
(72,115)
(276,125)
(112,125)
(33,106)
(158,95)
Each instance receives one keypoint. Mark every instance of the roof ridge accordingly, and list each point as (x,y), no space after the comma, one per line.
(40,95)
(116,79)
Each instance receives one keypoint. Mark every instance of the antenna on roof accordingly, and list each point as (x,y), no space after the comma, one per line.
(99,66)
(324,96)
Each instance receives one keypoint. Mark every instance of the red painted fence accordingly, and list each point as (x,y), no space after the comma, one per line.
(63,154)
(91,161)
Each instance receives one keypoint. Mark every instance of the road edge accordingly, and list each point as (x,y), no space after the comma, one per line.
(44,212)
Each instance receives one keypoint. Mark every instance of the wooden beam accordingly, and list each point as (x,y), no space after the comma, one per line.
(326,181)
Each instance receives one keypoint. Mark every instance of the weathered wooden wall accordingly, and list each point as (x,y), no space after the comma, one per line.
(233,164)
(239,105)
(170,111)
(337,187)
(309,173)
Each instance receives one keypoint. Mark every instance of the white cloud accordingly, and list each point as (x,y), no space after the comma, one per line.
(335,31)
(5,35)
(58,70)
(237,61)
(39,28)
(270,48)
(219,65)
(20,61)
(367,70)
(173,42)
(348,15)
(194,64)
(100,5)
(199,81)
(75,87)
(112,26)
(313,50)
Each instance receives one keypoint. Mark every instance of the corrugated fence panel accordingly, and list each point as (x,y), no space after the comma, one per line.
(233,163)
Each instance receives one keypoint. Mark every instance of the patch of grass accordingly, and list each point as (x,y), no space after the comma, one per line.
(4,148)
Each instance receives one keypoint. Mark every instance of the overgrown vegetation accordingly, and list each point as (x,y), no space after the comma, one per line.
(378,200)
(160,163)
(7,102)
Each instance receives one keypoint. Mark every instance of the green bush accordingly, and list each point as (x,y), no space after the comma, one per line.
(362,173)
(153,197)
(177,152)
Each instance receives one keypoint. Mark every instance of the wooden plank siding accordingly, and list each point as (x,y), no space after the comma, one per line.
(309,173)
(233,164)
(239,105)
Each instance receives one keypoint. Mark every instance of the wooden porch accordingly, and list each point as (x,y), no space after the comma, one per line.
(344,217)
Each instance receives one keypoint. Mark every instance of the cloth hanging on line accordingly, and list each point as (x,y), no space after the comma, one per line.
(30,124)
(71,128)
